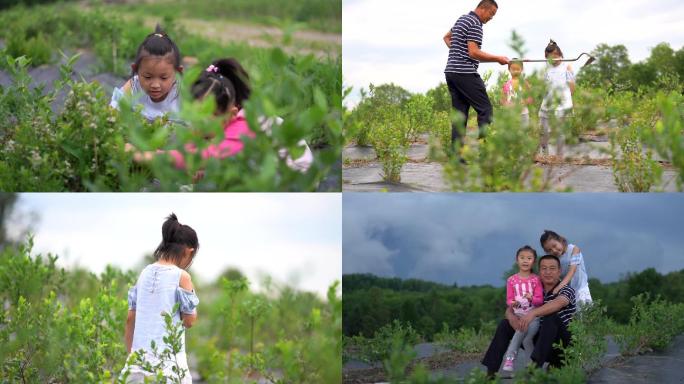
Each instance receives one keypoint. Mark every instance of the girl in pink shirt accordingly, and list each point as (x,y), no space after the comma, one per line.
(523,292)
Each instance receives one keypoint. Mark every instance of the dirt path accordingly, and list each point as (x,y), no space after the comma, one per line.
(320,44)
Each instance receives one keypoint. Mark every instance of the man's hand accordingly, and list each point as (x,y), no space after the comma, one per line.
(513,320)
(525,321)
(503,60)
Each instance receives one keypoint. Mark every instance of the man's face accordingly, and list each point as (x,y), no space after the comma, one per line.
(488,13)
(549,271)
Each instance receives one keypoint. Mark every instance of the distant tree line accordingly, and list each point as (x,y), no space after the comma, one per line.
(369,301)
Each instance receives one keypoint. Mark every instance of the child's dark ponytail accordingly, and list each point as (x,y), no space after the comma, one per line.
(175,238)
(552,47)
(157,43)
(232,69)
(227,80)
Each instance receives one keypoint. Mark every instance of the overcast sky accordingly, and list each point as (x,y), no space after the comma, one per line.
(471,239)
(295,238)
(400,41)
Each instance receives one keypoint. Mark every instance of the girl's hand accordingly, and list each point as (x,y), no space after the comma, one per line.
(528,296)
(143,156)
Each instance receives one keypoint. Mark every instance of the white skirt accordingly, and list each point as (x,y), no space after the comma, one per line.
(138,375)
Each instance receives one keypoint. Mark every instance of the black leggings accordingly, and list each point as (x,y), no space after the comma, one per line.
(551,330)
(468,90)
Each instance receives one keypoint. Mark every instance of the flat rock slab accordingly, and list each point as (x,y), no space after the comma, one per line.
(422,350)
(416,152)
(428,177)
(589,151)
(661,367)
(415,177)
(596,178)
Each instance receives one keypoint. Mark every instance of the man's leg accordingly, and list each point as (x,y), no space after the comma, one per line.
(547,335)
(494,355)
(564,337)
(475,92)
(460,104)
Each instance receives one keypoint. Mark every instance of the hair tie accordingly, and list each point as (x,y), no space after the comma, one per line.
(212,68)
(159,35)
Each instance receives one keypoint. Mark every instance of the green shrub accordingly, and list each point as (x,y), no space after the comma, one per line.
(666,137)
(652,325)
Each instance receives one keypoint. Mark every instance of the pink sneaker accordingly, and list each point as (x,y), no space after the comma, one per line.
(508,364)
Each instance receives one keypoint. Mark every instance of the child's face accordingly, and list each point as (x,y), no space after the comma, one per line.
(156,75)
(525,260)
(515,70)
(555,58)
(188,256)
(554,247)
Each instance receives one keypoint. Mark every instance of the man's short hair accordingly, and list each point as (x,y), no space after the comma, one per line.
(487,3)
(552,257)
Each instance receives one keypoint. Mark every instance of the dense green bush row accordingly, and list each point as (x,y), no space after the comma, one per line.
(641,117)
(64,326)
(82,147)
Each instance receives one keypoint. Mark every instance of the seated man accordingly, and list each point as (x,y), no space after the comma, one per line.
(556,314)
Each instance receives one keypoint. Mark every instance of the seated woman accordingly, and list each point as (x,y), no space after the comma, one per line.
(555,316)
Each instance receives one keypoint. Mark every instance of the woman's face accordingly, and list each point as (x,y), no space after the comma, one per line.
(525,260)
(554,247)
(156,75)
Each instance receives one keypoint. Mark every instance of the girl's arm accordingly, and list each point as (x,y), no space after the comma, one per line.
(510,295)
(186,283)
(571,80)
(127,86)
(571,271)
(538,294)
(130,328)
(504,93)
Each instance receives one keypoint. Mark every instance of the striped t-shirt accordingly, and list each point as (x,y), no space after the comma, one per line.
(568,311)
(467,28)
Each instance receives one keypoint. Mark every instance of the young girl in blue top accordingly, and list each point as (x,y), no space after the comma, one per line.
(153,81)
(160,286)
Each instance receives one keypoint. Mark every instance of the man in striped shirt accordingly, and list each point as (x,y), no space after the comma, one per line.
(465,85)
(556,314)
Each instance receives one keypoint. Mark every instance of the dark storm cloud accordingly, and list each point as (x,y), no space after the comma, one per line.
(472,238)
